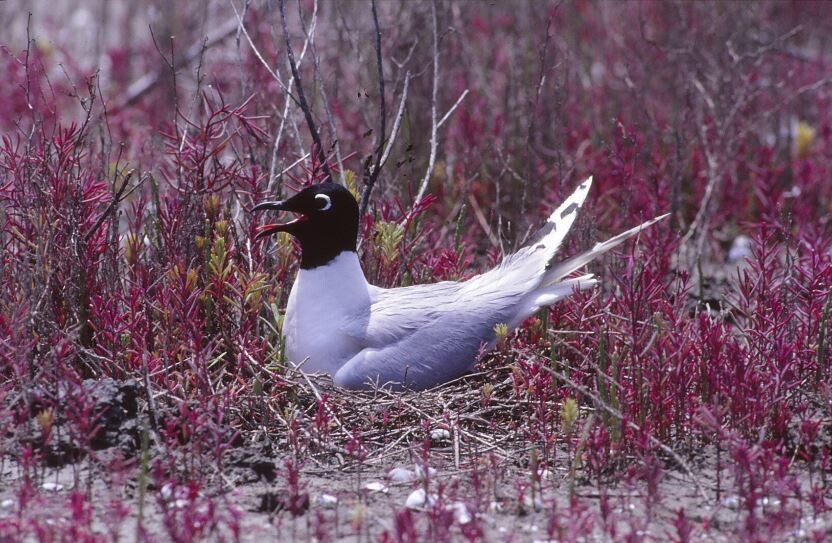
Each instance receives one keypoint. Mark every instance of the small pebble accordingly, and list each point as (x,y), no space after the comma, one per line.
(460,511)
(327,501)
(376,486)
(53,487)
(166,491)
(401,475)
(440,434)
(793,192)
(420,472)
(731,502)
(5,504)
(770,502)
(740,249)
(419,498)
(533,505)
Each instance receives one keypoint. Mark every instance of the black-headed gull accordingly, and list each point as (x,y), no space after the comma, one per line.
(419,336)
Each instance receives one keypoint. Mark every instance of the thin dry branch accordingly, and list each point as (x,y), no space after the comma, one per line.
(304,105)
(118,196)
(330,118)
(397,122)
(376,170)
(286,105)
(275,75)
(435,124)
(287,88)
(141,86)
(452,109)
(483,221)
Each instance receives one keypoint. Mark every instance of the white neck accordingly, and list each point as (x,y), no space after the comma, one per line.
(342,273)
(321,301)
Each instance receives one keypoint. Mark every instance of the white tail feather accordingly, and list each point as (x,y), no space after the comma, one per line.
(553,293)
(562,269)
(533,269)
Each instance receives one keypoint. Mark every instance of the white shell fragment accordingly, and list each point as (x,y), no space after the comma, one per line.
(376,486)
(420,472)
(460,511)
(440,434)
(740,249)
(419,499)
(327,501)
(535,504)
(401,475)
(731,502)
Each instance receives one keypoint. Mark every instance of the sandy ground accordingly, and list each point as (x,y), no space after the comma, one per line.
(348,505)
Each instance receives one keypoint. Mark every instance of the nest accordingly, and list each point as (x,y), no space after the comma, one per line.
(480,412)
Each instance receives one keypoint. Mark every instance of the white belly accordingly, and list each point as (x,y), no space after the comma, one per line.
(312,330)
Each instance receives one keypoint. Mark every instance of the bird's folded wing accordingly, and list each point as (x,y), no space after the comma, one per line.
(421,336)
(399,312)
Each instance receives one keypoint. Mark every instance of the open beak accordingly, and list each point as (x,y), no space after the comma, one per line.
(269,229)
(277,205)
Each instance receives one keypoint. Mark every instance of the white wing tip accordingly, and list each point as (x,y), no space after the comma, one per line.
(583,188)
(654,220)
(572,204)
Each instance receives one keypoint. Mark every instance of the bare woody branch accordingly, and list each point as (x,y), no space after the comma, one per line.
(304,105)
(397,122)
(118,196)
(141,86)
(376,170)
(274,175)
(275,75)
(391,140)
(452,109)
(434,124)
(330,118)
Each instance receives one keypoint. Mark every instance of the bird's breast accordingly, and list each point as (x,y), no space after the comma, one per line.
(322,301)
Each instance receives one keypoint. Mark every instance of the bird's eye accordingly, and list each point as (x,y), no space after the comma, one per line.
(327,202)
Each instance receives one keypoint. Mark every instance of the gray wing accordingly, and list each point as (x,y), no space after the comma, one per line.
(418,337)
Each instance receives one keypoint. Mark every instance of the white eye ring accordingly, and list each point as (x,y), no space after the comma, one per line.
(325,198)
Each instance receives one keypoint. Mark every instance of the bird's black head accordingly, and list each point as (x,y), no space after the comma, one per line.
(327,222)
